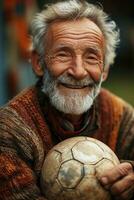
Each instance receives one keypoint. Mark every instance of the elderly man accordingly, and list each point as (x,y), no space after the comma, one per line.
(73,46)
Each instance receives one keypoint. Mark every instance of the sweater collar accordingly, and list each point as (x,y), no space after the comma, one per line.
(63,128)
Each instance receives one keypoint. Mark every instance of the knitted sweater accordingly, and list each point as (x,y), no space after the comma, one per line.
(26,137)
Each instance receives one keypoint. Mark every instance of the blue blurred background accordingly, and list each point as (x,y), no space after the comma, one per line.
(15,70)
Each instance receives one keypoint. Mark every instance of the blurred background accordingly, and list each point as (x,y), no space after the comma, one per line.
(15,69)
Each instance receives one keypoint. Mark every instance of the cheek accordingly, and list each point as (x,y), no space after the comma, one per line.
(56,68)
(95,73)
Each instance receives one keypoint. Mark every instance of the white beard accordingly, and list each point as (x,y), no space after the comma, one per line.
(74,103)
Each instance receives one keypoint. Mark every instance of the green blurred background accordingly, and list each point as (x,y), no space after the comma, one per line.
(15,70)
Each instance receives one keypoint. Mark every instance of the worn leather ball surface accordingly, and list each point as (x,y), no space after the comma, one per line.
(72,167)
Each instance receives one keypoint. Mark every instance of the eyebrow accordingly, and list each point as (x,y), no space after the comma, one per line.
(62,46)
(92,49)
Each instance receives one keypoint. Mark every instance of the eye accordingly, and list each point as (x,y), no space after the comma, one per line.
(62,54)
(91,58)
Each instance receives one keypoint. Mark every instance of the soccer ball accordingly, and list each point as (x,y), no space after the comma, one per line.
(71,168)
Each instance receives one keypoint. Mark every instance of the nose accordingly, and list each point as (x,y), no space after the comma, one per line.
(77,69)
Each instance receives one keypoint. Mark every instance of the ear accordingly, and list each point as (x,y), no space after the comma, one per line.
(105,73)
(38,69)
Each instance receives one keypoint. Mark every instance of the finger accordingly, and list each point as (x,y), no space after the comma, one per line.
(116,173)
(122,185)
(126,195)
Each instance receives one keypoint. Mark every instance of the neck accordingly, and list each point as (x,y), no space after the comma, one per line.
(73,118)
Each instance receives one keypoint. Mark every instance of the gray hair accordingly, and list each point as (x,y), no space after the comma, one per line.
(71,10)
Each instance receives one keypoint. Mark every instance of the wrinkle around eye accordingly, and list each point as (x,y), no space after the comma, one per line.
(92,57)
(93,61)
(63,55)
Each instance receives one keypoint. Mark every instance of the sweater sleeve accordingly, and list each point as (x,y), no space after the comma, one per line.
(125,140)
(20,163)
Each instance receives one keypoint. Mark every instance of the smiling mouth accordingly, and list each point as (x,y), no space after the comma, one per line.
(76,86)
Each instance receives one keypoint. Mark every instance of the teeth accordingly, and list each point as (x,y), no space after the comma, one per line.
(74,86)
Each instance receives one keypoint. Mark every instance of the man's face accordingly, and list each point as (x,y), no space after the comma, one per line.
(74,58)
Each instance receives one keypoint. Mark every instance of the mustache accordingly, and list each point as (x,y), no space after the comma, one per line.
(65,79)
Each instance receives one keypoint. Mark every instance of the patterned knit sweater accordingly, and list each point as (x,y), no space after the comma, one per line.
(26,137)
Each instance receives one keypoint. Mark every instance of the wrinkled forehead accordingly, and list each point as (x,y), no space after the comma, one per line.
(72,30)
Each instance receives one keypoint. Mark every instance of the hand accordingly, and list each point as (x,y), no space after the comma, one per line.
(119,181)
